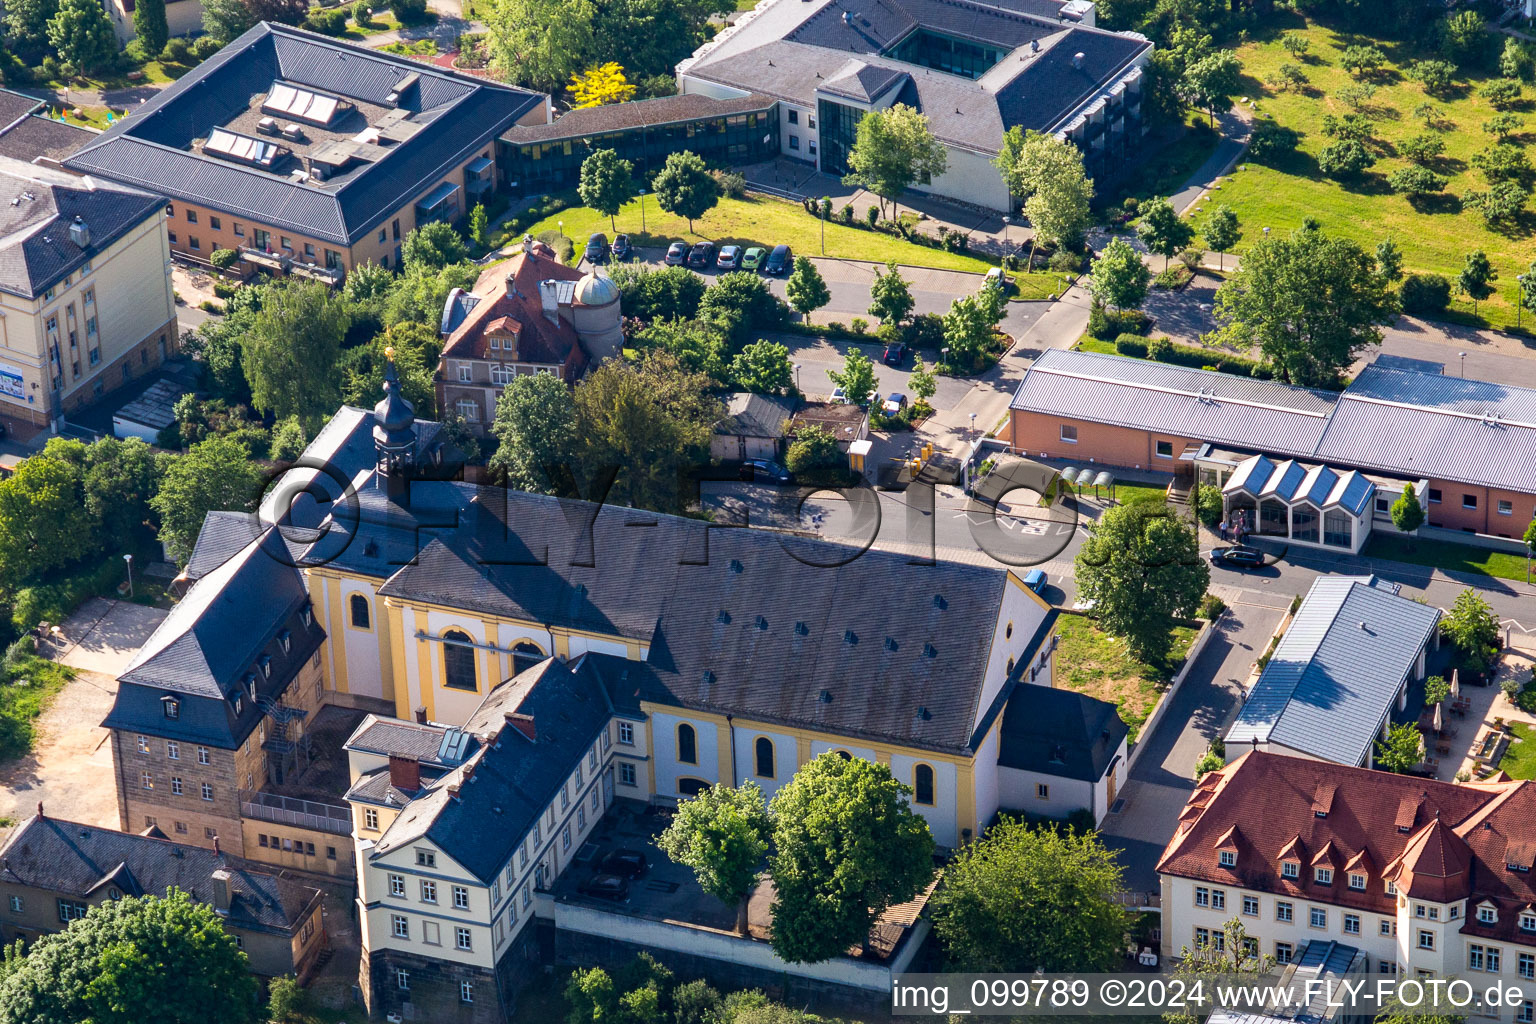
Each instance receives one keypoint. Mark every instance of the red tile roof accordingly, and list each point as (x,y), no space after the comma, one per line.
(1437,841)
(510,304)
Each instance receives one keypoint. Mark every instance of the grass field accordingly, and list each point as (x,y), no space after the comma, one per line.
(1519,759)
(760,220)
(25,691)
(1446,555)
(1093,662)
(1434,238)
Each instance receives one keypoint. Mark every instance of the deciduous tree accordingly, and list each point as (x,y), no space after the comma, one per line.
(890,297)
(1212,82)
(1120,276)
(1473,630)
(685,187)
(1164,231)
(82,35)
(893,148)
(856,378)
(216,474)
(607,183)
(1047,175)
(1401,750)
(602,84)
(43,521)
(536,426)
(967,331)
(289,355)
(722,834)
(433,246)
(1141,567)
(741,304)
(1407,513)
(846,846)
(540,43)
(1219,229)
(763,368)
(26,25)
(1476,278)
(805,289)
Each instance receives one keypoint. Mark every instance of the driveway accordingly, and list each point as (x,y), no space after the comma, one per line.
(1163,776)
(70,767)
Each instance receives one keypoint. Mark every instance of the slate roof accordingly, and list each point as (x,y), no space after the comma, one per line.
(386,736)
(209,650)
(509,302)
(76,860)
(35,246)
(1060,732)
(1436,840)
(792,51)
(458,115)
(752,415)
(1336,673)
(617,117)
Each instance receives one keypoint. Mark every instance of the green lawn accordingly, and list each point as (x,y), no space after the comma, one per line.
(764,221)
(1088,343)
(1036,285)
(25,691)
(1519,759)
(1435,239)
(381,21)
(1446,555)
(419,48)
(1091,661)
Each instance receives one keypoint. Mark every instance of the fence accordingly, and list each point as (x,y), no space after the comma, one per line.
(287,810)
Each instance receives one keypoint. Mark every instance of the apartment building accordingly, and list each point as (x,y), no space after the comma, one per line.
(85,293)
(1426,878)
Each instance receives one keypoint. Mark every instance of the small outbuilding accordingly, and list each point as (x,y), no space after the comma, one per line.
(753,427)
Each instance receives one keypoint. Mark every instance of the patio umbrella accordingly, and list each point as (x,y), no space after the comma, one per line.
(1455,683)
(1439,718)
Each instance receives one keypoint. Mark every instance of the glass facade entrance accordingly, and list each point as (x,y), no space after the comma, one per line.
(839,126)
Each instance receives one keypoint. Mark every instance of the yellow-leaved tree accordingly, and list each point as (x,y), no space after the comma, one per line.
(602,84)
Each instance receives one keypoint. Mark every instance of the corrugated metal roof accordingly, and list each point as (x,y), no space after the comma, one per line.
(1146,395)
(1336,672)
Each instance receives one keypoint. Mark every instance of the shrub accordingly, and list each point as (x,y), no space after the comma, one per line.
(204,47)
(1271,142)
(223,258)
(1159,349)
(329,22)
(1426,294)
(1064,262)
(872,216)
(1346,158)
(362,13)
(560,242)
(1209,510)
(845,215)
(1210,605)
(813,447)
(177,50)
(858,325)
(731,183)
(1415,181)
(1131,345)
(925,331)
(408,11)
(223,290)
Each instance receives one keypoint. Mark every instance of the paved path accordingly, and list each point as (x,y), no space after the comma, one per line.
(1235,126)
(1163,775)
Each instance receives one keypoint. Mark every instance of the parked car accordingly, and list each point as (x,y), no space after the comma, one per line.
(607,887)
(765,471)
(780,261)
(752,259)
(840,397)
(995,278)
(1237,558)
(597,248)
(894,404)
(677,254)
(625,863)
(895,353)
(621,248)
(730,257)
(1036,580)
(701,255)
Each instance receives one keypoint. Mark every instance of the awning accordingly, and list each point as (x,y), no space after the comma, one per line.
(438,196)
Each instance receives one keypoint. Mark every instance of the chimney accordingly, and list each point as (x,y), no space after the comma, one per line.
(404,773)
(216,851)
(421,716)
(223,890)
(523,724)
(80,232)
(40,810)
(1077,60)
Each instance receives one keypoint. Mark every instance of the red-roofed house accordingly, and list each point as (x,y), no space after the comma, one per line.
(531,314)
(1291,846)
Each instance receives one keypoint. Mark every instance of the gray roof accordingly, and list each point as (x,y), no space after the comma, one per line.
(1335,675)
(1322,485)
(1146,395)
(457,115)
(244,617)
(1059,732)
(1430,425)
(752,415)
(792,51)
(429,744)
(72,859)
(37,207)
(38,139)
(615,117)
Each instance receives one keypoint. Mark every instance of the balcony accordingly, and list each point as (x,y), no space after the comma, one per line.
(285,264)
(287,810)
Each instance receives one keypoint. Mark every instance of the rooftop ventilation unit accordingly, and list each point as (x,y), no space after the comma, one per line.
(402,87)
(1077,59)
(267,126)
(294,132)
(80,232)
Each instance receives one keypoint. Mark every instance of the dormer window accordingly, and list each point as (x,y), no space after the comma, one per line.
(286,640)
(265,664)
(239,704)
(1227,858)
(1324,876)
(1357,882)
(1391,888)
(1487,914)
(171,706)
(1527,921)
(1290,869)
(307,615)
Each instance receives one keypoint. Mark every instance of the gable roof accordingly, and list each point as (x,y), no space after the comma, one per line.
(455,116)
(37,207)
(1336,672)
(1060,732)
(748,414)
(77,860)
(617,117)
(508,302)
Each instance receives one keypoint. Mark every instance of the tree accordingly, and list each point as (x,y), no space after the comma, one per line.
(289,355)
(82,35)
(364,368)
(607,183)
(1527,283)
(1501,93)
(118,477)
(1220,231)
(892,148)
(149,24)
(590,995)
(478,222)
(1436,76)
(1271,141)
(813,447)
(602,84)
(43,521)
(739,304)
(1345,159)
(1213,81)
(1119,276)
(968,331)
(685,187)
(722,834)
(135,958)
(1401,750)
(1476,278)
(1502,126)
(1210,761)
(1500,203)
(695,1002)
(1515,61)
(1436,690)
(1464,36)
(763,368)
(419,293)
(806,290)
(1290,76)
(1415,182)
(1296,44)
(214,475)
(223,20)
(922,381)
(1357,127)
(698,345)
(1023,899)
(1309,302)
(846,846)
(1047,175)
(1141,566)
(540,43)
(1407,513)
(1473,630)
(433,246)
(1361,60)
(1237,955)
(1164,232)
(856,378)
(26,25)
(1422,148)
(890,297)
(536,426)
(667,294)
(1389,260)
(1502,162)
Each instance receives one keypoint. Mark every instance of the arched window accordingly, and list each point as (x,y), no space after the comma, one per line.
(763,748)
(361,618)
(691,787)
(687,744)
(525,655)
(922,784)
(845,755)
(458,661)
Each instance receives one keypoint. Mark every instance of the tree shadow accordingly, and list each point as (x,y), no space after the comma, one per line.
(1435,202)
(1368,183)
(1379,112)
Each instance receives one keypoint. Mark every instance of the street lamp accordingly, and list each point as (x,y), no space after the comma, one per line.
(1519,297)
(973,423)
(129,560)
(1463,363)
(642,211)
(944,356)
(797,376)
(1007,220)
